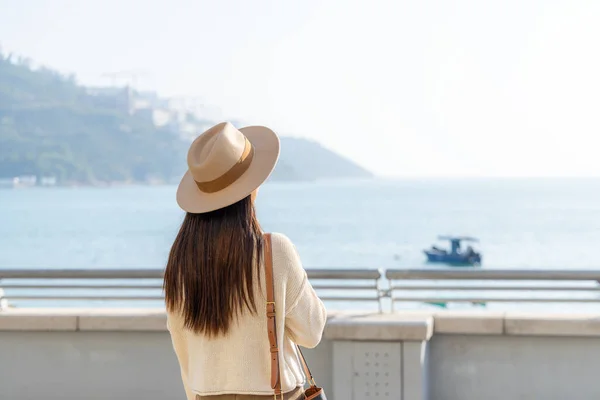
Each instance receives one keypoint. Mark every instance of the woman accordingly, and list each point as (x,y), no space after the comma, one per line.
(215,280)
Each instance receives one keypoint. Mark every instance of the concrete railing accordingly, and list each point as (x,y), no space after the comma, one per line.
(443,355)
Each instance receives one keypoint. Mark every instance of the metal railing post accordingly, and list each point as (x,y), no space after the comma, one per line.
(379,296)
(391,294)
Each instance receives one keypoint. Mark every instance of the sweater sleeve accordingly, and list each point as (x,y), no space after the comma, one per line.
(181,351)
(305,313)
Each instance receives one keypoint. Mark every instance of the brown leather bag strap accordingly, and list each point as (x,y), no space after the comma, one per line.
(307,372)
(271,321)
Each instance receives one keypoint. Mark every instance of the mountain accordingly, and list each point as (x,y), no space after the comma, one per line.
(309,160)
(52,127)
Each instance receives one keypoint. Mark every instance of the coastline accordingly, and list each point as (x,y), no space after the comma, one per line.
(174,182)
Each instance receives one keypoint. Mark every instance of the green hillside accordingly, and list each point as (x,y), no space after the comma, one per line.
(51,126)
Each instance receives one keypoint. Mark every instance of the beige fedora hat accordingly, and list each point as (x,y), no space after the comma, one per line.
(225,165)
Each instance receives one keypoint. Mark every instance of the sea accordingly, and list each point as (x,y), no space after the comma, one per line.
(521,223)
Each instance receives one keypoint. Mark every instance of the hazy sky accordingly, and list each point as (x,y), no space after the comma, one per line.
(407,88)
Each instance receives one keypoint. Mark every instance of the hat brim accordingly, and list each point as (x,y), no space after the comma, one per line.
(266,154)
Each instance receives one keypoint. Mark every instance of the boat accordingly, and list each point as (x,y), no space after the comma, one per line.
(455,256)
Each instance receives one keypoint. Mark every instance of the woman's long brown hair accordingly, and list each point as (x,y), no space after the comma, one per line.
(209,277)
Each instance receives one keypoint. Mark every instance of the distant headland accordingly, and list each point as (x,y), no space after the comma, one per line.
(54,131)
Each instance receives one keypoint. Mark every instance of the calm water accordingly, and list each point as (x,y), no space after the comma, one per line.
(379,224)
(521,223)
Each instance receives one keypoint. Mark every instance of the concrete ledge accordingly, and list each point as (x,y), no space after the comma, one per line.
(530,324)
(123,320)
(37,320)
(75,319)
(390,327)
(407,326)
(469,322)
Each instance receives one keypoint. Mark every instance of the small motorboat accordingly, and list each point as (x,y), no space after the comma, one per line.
(455,256)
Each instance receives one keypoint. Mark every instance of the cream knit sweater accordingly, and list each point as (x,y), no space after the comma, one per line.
(240,362)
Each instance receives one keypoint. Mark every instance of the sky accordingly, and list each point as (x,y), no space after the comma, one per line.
(422,88)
